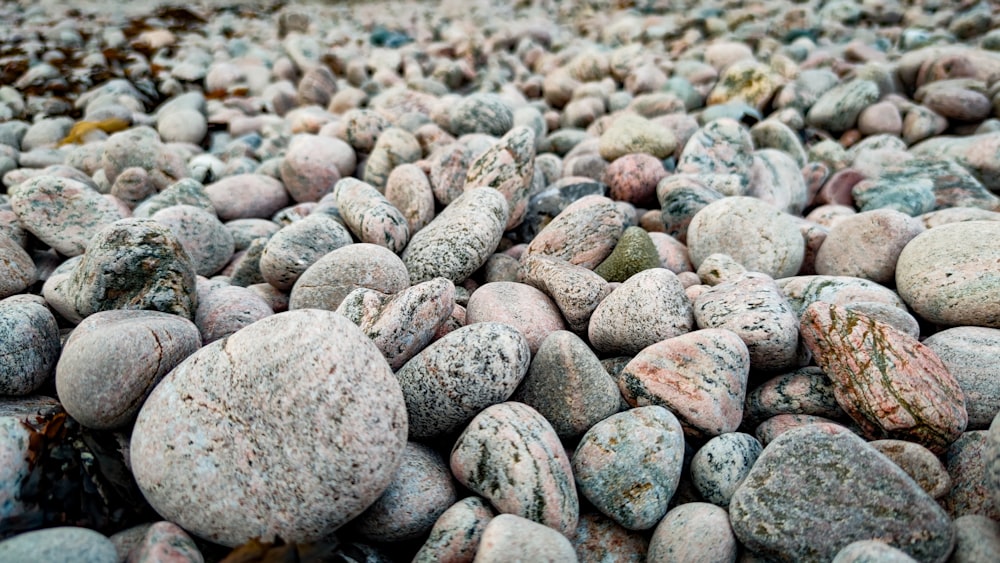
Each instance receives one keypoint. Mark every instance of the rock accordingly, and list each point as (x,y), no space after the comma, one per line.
(450,166)
(649,307)
(633,178)
(584,233)
(182,126)
(64,544)
(296,247)
(402,324)
(510,537)
(971,355)
(17,271)
(63,213)
(745,80)
(755,234)
(457,533)
(599,538)
(420,491)
(631,133)
(673,253)
(867,245)
(460,239)
(245,196)
(510,455)
(181,450)
(753,307)
(837,109)
(696,531)
(576,290)
(871,550)
(165,541)
(141,147)
(133,186)
(29,345)
(130,264)
(481,113)
(700,376)
(977,539)
(946,274)
(370,216)
(313,165)
(634,253)
(184,192)
(394,146)
(519,305)
(546,205)
(969,493)
(776,178)
(326,283)
(113,359)
(880,118)
(205,239)
(839,490)
(720,466)
(919,463)
(889,383)
(629,465)
(507,167)
(567,384)
(409,190)
(803,391)
(465,371)
(681,197)
(224,310)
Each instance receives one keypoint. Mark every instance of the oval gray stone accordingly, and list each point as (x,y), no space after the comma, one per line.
(29,345)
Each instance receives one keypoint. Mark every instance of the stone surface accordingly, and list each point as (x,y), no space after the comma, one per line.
(867,245)
(977,539)
(166,542)
(576,290)
(818,488)
(59,545)
(871,550)
(206,240)
(456,534)
(634,253)
(919,463)
(971,355)
(966,464)
(598,538)
(326,283)
(17,271)
(224,310)
(584,233)
(720,466)
(370,216)
(804,391)
(519,305)
(507,167)
(29,345)
(696,531)
(246,196)
(293,249)
(192,464)
(510,537)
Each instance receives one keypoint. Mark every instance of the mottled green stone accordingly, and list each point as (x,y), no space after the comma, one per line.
(634,253)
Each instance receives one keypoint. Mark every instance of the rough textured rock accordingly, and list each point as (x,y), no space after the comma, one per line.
(599,538)
(576,290)
(326,283)
(919,463)
(720,466)
(59,545)
(296,247)
(17,271)
(519,305)
(695,531)
(507,167)
(370,216)
(584,233)
(29,345)
(634,253)
(457,532)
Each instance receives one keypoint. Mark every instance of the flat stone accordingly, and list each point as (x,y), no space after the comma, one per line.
(802,291)
(224,310)
(838,108)
(722,146)
(245,196)
(165,541)
(206,240)
(17,271)
(681,197)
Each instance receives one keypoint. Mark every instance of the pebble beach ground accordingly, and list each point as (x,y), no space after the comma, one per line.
(589,281)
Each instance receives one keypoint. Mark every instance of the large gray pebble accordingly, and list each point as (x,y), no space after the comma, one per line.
(206,240)
(972,355)
(509,537)
(59,545)
(293,249)
(720,466)
(837,110)
(17,271)
(694,531)
(29,345)
(326,283)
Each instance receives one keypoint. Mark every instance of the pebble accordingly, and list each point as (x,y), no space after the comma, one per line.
(293,249)
(977,539)
(634,253)
(818,488)
(673,253)
(509,537)
(17,271)
(246,196)
(567,384)
(224,310)
(695,531)
(599,538)
(507,167)
(681,197)
(472,367)
(576,291)
(547,204)
(182,450)
(965,463)
(184,192)
(628,465)
(519,305)
(631,133)
(63,544)
(971,355)
(313,165)
(871,550)
(720,466)
(584,233)
(182,126)
(29,344)
(420,491)
(700,376)
(838,108)
(919,463)
(888,382)
(141,147)
(803,391)
(633,178)
(776,178)
(113,359)
(483,113)
(649,307)
(206,240)
(944,274)
(408,189)
(802,291)
(394,146)
(326,283)
(165,542)
(456,535)
(510,455)
(757,235)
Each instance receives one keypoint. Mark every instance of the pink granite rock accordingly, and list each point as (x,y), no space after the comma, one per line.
(804,391)
(802,291)
(867,245)
(889,383)
(970,492)
(919,463)
(701,376)
(519,305)
(880,118)
(29,345)
(245,196)
(584,233)
(409,190)
(456,534)
(509,537)
(507,167)
(696,531)
(510,455)
(313,164)
(673,253)
(576,290)
(326,283)
(972,355)
(634,177)
(370,216)
(292,250)
(777,425)
(224,310)
(196,467)
(206,240)
(17,271)
(599,538)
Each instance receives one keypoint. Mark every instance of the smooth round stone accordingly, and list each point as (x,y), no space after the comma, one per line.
(409,190)
(969,493)
(370,216)
(951,100)
(326,283)
(977,539)
(720,466)
(631,133)
(696,531)
(598,538)
(971,354)
(673,253)
(184,192)
(519,305)
(567,384)
(674,373)
(130,264)
(481,113)
(133,186)
(245,196)
(773,134)
(919,463)
(141,147)
(776,178)
(888,382)
(293,249)
(584,233)
(460,374)
(804,391)
(753,232)
(867,245)
(634,177)
(839,490)
(63,213)
(206,240)
(64,544)
(634,253)
(681,197)
(507,167)
(420,491)
(863,551)
(957,214)
(576,290)
(649,307)
(719,268)
(182,126)
(17,271)
(245,231)
(460,239)
(113,359)
(889,314)
(29,345)
(225,310)
(165,541)
(753,307)
(509,537)
(402,324)
(450,165)
(395,146)
(510,455)
(193,466)
(314,164)
(629,465)
(950,274)
(457,533)
(721,147)
(803,291)
(880,118)
(838,108)
(360,128)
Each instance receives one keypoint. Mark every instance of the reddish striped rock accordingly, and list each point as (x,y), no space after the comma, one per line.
(888,382)
(700,376)
(456,533)
(510,455)
(584,233)
(507,167)
(370,216)
(802,291)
